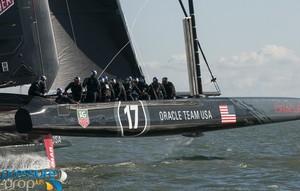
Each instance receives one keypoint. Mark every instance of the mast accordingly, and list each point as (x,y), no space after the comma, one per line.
(192,54)
(196,50)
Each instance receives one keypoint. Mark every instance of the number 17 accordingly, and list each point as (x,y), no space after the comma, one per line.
(127,110)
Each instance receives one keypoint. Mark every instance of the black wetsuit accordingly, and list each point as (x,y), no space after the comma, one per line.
(76,89)
(38,88)
(92,85)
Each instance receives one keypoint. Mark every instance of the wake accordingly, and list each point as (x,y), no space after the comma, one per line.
(23,162)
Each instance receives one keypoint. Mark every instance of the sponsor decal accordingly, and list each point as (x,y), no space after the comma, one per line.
(287,108)
(83,117)
(49,149)
(5,5)
(127,111)
(132,119)
(227,114)
(51,179)
(185,115)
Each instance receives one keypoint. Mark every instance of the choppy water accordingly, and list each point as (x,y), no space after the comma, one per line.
(255,158)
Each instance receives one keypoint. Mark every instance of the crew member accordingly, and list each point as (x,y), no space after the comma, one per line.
(62,99)
(156,90)
(120,93)
(169,87)
(76,89)
(141,84)
(38,88)
(92,85)
(130,88)
(106,89)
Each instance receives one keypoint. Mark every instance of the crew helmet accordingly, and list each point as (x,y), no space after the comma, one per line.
(141,79)
(43,78)
(164,80)
(94,73)
(59,91)
(113,81)
(77,78)
(102,80)
(105,78)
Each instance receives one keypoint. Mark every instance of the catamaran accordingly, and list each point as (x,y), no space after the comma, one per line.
(63,39)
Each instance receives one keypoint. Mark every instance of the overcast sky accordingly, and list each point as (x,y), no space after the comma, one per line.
(253,47)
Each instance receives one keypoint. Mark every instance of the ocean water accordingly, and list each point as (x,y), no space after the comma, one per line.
(254,158)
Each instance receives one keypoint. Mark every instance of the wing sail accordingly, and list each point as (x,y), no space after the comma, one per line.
(91,35)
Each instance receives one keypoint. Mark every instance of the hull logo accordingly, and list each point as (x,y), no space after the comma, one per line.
(5,5)
(132,119)
(228,115)
(83,117)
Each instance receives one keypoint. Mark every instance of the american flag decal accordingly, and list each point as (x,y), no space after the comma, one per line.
(227,114)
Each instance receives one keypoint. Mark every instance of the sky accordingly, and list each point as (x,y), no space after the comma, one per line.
(252,47)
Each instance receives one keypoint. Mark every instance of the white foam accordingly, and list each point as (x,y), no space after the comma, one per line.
(23,162)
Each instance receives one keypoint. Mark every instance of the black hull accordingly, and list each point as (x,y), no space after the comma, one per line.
(154,118)
(10,140)
(9,104)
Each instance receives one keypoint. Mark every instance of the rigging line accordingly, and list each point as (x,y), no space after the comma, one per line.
(127,42)
(135,19)
(206,84)
(213,79)
(139,57)
(183,9)
(71,22)
(73,31)
(113,58)
(133,24)
(138,14)
(215,84)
